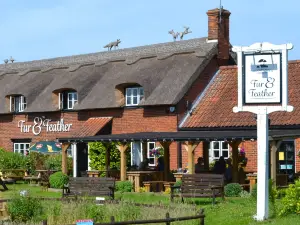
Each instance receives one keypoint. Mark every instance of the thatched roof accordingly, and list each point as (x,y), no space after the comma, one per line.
(166,71)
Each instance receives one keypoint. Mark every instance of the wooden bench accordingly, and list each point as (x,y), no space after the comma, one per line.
(200,186)
(90,186)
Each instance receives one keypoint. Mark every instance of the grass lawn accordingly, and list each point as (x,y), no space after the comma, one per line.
(237,211)
(35,191)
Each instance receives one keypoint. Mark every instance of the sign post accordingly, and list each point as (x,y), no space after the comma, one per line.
(262,89)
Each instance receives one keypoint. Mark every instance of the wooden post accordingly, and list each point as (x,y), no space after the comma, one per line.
(235,160)
(144,151)
(274,147)
(64,154)
(107,158)
(206,154)
(166,146)
(190,148)
(122,148)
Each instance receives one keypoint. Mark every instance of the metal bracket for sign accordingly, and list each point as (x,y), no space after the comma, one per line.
(266,99)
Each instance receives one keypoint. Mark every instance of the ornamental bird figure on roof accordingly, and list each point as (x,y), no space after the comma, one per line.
(112,44)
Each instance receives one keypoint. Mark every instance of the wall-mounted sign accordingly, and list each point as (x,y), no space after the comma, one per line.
(40,123)
(262,78)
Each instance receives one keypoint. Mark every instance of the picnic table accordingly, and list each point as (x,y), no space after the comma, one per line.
(15,174)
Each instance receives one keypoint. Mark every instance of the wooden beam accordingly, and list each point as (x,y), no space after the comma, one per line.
(64,155)
(144,151)
(206,154)
(235,160)
(166,146)
(122,148)
(190,148)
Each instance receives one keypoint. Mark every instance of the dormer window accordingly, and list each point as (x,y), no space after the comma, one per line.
(67,100)
(134,95)
(17,103)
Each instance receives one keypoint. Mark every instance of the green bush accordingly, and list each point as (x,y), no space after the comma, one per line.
(11,160)
(232,190)
(124,186)
(58,179)
(272,191)
(24,209)
(245,194)
(178,183)
(291,201)
(97,154)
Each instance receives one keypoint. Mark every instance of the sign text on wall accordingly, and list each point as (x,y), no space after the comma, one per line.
(40,123)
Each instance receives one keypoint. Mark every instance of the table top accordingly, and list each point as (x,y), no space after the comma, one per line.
(46,170)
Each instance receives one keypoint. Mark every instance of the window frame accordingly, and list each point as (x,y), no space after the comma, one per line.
(17,103)
(220,149)
(18,150)
(138,97)
(69,97)
(148,153)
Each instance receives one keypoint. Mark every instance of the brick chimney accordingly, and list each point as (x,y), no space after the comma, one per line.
(218,30)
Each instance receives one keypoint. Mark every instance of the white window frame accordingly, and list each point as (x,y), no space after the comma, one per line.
(17,147)
(71,101)
(220,149)
(139,95)
(21,103)
(148,153)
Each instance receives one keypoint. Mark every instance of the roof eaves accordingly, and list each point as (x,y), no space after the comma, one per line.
(198,100)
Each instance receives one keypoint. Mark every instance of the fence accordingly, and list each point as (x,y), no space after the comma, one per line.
(167,220)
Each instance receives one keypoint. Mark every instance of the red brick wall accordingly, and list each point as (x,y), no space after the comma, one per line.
(297,148)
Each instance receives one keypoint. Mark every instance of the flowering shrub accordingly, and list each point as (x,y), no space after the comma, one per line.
(242,157)
(157,152)
(291,201)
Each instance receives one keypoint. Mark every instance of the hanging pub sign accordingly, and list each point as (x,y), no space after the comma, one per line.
(262,78)
(40,123)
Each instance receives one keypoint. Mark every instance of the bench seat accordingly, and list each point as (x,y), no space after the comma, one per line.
(90,186)
(200,186)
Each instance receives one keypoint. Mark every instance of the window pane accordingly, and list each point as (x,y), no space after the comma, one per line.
(135,91)
(141,91)
(225,154)
(17,104)
(128,101)
(224,145)
(128,91)
(135,101)
(151,146)
(27,146)
(216,154)
(75,96)
(216,145)
(22,147)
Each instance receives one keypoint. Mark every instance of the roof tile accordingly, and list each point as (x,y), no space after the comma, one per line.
(91,127)
(215,109)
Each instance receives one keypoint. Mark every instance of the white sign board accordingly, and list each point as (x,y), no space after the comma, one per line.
(40,123)
(262,78)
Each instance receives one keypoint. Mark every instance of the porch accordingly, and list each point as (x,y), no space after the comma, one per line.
(189,140)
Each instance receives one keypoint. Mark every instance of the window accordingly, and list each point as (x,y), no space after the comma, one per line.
(134,95)
(21,148)
(150,146)
(17,103)
(67,100)
(220,148)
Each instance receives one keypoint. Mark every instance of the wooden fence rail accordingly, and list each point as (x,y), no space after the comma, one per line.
(167,220)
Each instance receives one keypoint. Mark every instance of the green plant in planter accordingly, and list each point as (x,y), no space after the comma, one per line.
(58,179)
(232,190)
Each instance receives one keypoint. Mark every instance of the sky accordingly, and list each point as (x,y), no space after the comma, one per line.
(35,29)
